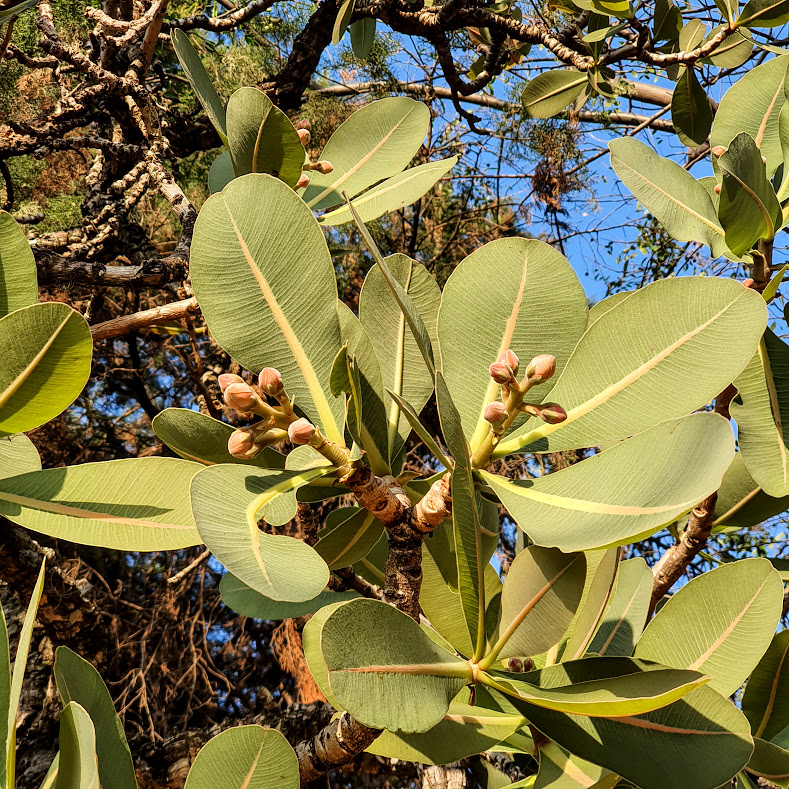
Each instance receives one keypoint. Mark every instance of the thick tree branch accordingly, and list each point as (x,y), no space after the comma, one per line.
(117,327)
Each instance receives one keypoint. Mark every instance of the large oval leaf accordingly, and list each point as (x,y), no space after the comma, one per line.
(18,455)
(629,371)
(376,142)
(550,92)
(18,280)
(691,111)
(246,757)
(227,502)
(521,314)
(731,611)
(45,353)
(402,366)
(669,468)
(263,275)
(672,194)
(136,504)
(385,670)
(766,698)
(350,534)
(762,413)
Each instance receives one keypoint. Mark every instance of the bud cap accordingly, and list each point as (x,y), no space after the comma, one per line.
(228,378)
(552,413)
(241,444)
(301,431)
(541,368)
(509,357)
(501,373)
(270,381)
(240,396)
(495,413)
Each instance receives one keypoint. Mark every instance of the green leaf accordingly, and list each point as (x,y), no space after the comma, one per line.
(601,572)
(375,143)
(464,731)
(402,368)
(5,696)
(18,455)
(669,469)
(44,363)
(628,372)
(362,37)
(77,764)
(18,674)
(561,770)
(728,9)
(707,736)
(551,91)
(18,278)
(761,410)
(465,520)
(520,313)
(741,502)
(770,762)
(748,209)
(734,51)
(312,636)
(424,434)
(195,436)
(342,20)
(601,687)
(261,137)
(766,698)
(246,757)
(597,310)
(78,681)
(393,193)
(691,35)
(672,194)
(764,13)
(134,504)
(373,426)
(541,594)
(770,292)
(732,612)
(385,670)
(351,533)
(691,111)
(227,503)
(200,81)
(626,614)
(7,14)
(221,172)
(667,21)
(753,104)
(249,242)
(247,602)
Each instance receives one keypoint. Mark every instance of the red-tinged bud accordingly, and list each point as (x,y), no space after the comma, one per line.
(304,136)
(495,413)
(228,378)
(241,444)
(304,124)
(515,665)
(501,373)
(718,150)
(747,283)
(324,167)
(301,431)
(552,413)
(528,664)
(240,396)
(541,368)
(270,381)
(717,189)
(303,182)
(509,357)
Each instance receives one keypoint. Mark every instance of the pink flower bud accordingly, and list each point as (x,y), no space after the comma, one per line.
(717,189)
(552,413)
(509,357)
(541,368)
(718,150)
(303,182)
(228,378)
(240,396)
(301,431)
(501,373)
(270,381)
(304,124)
(241,444)
(515,665)
(747,283)
(324,167)
(304,136)
(495,413)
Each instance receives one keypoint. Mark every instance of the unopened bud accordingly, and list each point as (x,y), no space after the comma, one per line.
(528,664)
(717,189)
(718,150)
(303,182)
(501,373)
(240,396)
(304,136)
(301,431)
(228,378)
(324,167)
(495,413)
(541,368)
(552,413)
(747,283)
(515,665)
(270,381)
(304,124)
(241,444)
(509,357)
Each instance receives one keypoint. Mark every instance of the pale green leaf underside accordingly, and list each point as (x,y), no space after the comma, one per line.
(18,279)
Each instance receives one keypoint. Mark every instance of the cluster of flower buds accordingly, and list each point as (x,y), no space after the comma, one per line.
(303,129)
(520,665)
